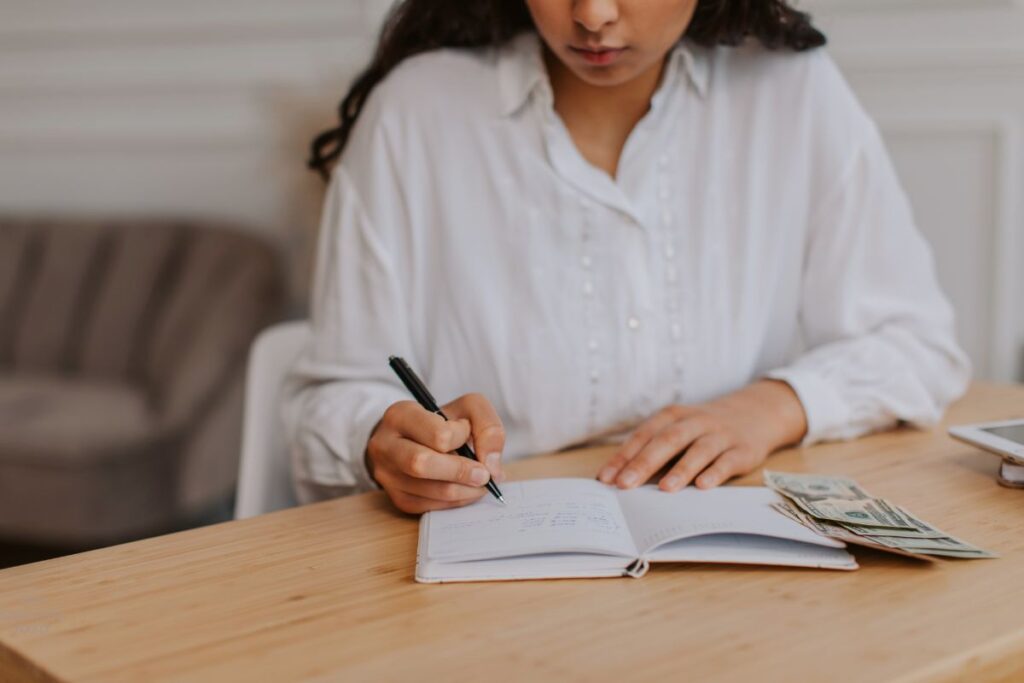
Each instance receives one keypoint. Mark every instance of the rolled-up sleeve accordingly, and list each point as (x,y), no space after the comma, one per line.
(877,330)
(341,386)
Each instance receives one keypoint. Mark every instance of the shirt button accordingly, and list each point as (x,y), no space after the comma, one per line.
(663,160)
(670,251)
(677,330)
(663,192)
(592,345)
(586,261)
(666,217)
(594,375)
(633,323)
(671,274)
(588,288)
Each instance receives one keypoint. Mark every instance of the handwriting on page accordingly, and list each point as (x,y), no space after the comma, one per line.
(538,518)
(590,516)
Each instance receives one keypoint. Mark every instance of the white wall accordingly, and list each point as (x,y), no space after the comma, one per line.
(207,107)
(201,107)
(945,81)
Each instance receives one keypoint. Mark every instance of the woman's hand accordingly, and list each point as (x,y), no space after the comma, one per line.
(713,442)
(410,453)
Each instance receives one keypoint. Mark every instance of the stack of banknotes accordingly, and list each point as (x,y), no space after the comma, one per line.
(837,507)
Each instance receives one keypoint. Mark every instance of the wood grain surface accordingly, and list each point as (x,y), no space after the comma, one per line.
(326,593)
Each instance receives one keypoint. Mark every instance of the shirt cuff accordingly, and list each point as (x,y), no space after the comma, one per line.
(827,414)
(336,438)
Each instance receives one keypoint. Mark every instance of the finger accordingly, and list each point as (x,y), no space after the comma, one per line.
(664,446)
(407,502)
(415,422)
(731,463)
(702,452)
(444,491)
(637,440)
(485,425)
(420,462)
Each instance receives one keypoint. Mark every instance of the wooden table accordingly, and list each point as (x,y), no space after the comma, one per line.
(326,593)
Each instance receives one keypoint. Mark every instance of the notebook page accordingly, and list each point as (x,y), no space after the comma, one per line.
(749,549)
(656,517)
(542,516)
(546,566)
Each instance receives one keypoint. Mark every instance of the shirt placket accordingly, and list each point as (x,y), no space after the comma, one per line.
(592,350)
(603,209)
(668,219)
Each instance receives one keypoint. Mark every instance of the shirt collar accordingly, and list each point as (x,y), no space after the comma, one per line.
(521,71)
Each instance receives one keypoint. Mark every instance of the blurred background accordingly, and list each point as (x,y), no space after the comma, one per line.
(155,213)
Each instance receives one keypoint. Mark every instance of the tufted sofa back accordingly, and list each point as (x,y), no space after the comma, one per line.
(169,306)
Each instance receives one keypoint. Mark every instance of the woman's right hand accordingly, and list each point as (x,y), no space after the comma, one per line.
(410,453)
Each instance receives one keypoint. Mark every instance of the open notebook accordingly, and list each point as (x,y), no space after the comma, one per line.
(562,528)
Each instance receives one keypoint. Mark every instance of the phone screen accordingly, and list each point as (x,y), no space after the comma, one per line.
(1013,433)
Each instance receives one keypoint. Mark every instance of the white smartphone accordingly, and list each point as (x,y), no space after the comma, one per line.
(1005,438)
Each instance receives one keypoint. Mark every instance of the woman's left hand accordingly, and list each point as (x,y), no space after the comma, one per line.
(713,442)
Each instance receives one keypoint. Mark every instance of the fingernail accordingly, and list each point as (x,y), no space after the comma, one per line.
(493,460)
(671,482)
(628,479)
(479,476)
(607,475)
(706,481)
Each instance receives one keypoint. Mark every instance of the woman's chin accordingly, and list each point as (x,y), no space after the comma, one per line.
(604,76)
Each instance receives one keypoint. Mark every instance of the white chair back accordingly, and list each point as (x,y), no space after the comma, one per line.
(264,476)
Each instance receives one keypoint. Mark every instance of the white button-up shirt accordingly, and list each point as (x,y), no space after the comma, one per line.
(756,228)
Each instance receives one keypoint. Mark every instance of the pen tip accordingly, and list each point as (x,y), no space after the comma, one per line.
(502,499)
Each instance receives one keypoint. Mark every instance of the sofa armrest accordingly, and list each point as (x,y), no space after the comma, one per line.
(198,354)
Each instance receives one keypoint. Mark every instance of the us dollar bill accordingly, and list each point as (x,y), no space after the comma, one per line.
(822,527)
(921,529)
(839,532)
(839,508)
(872,512)
(961,554)
(947,543)
(814,486)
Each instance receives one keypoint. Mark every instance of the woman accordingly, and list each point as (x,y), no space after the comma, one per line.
(583,217)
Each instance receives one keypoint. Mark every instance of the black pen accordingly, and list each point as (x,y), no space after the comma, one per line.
(422,395)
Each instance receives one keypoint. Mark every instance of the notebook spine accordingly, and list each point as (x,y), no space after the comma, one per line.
(638,568)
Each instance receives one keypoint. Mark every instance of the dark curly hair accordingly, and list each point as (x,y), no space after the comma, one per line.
(416,26)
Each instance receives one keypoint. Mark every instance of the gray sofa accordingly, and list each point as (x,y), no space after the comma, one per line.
(122,352)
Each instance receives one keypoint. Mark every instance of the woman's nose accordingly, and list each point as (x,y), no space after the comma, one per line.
(593,15)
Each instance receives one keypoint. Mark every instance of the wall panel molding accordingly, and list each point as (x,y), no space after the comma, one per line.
(56,23)
(882,6)
(1001,300)
(202,106)
(195,108)
(945,79)
(894,61)
(147,68)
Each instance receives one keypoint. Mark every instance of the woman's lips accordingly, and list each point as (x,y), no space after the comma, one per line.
(601,56)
